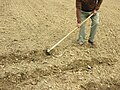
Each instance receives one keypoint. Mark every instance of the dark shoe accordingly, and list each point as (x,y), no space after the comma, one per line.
(92,45)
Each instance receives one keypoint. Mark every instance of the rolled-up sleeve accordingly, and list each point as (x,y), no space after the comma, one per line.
(98,5)
(78,4)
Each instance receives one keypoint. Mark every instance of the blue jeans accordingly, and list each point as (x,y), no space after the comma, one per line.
(94,25)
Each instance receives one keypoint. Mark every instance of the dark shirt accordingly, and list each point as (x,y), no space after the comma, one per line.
(87,5)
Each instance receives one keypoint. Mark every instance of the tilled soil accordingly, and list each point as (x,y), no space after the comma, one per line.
(28,27)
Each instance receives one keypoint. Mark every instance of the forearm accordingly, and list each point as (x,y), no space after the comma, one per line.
(78,8)
(78,15)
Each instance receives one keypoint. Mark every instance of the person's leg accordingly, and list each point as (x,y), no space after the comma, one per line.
(82,29)
(94,25)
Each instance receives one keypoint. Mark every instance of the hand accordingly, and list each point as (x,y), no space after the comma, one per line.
(78,25)
(94,12)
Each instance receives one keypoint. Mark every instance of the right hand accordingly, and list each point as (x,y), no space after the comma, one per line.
(78,25)
(94,12)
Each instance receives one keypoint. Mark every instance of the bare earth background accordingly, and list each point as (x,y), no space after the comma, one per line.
(27,27)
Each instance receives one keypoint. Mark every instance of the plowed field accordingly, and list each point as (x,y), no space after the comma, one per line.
(27,27)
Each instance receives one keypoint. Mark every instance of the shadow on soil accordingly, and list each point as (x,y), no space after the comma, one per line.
(102,86)
(89,64)
(10,80)
(18,56)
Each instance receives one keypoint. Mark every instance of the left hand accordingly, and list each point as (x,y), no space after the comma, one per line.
(78,25)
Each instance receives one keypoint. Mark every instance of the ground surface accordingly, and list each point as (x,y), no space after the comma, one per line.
(27,27)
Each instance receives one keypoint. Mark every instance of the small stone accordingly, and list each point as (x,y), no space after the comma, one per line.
(80,78)
(18,75)
(60,70)
(98,77)
(17,59)
(15,40)
(71,54)
(33,83)
(108,86)
(89,67)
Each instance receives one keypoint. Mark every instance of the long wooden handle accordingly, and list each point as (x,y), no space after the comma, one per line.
(69,33)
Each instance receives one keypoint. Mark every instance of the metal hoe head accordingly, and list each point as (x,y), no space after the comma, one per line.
(47,52)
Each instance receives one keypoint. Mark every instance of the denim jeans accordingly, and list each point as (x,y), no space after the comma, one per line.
(94,25)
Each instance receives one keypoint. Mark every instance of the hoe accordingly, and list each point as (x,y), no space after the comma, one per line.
(48,50)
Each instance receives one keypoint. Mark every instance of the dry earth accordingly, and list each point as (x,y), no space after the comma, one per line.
(27,27)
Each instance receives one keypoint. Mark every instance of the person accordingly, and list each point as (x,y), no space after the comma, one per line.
(83,9)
